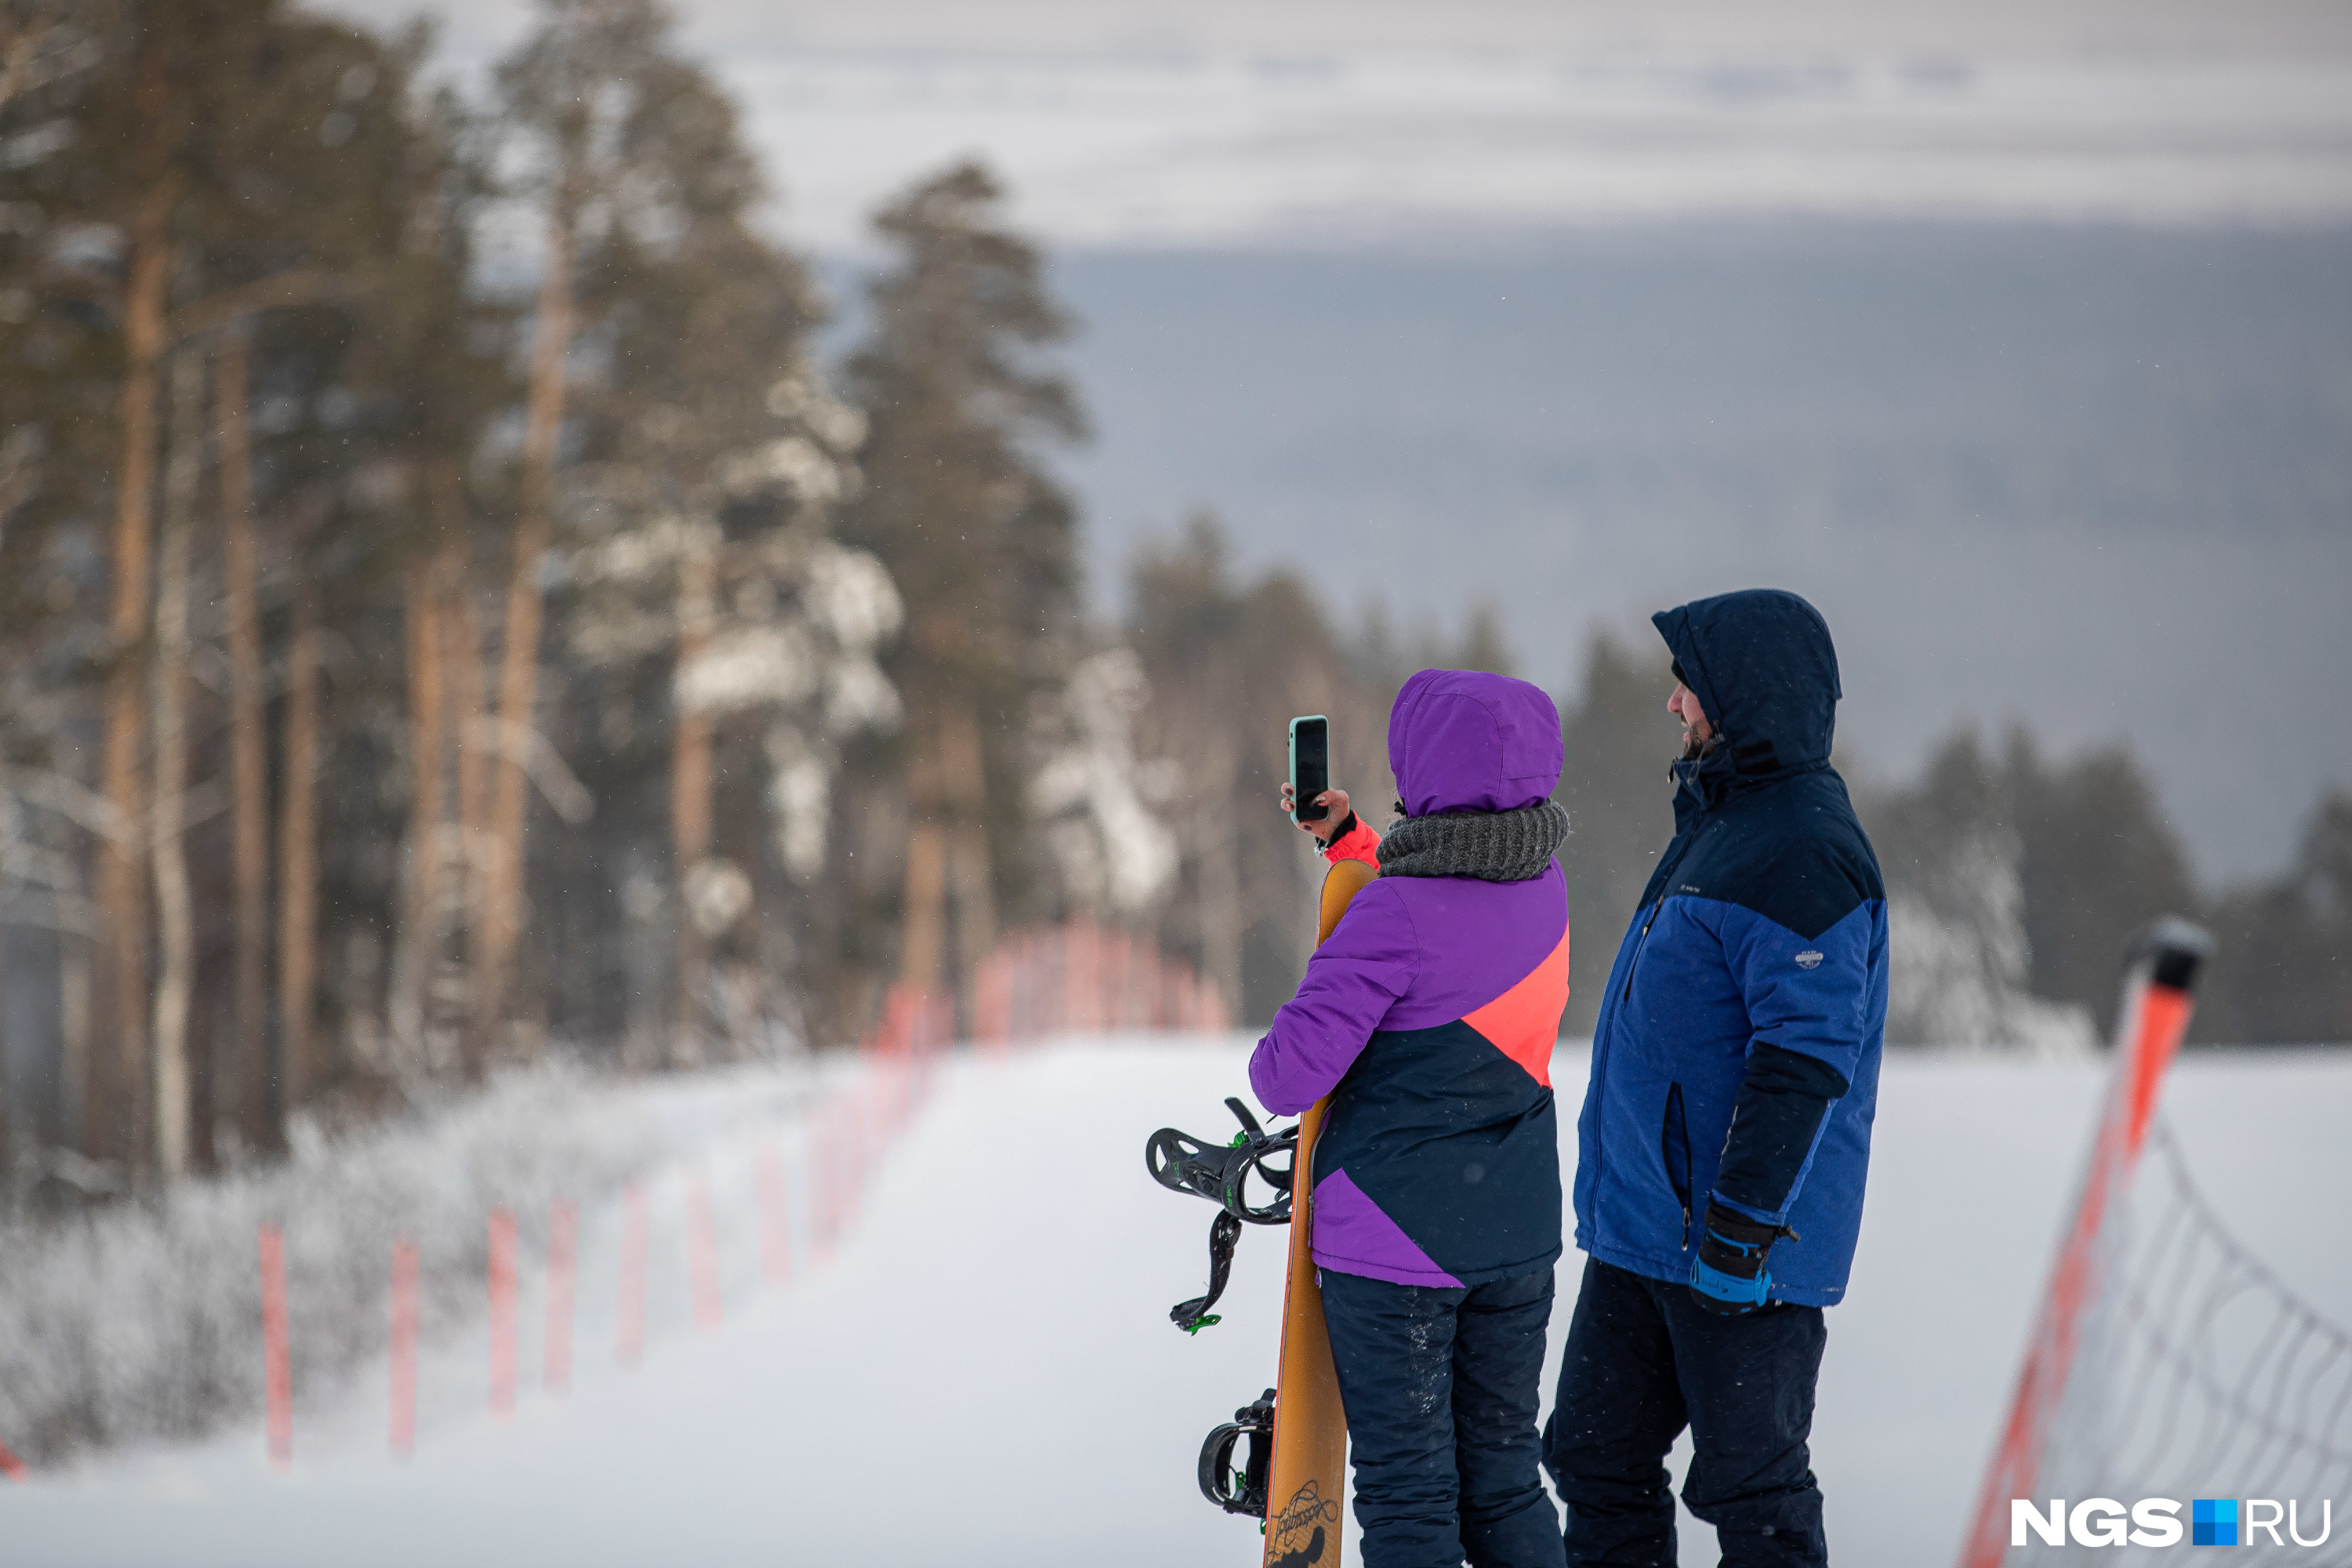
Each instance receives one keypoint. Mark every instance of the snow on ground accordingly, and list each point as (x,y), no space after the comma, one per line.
(985,1374)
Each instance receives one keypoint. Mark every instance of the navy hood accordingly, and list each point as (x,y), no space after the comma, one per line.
(1765,670)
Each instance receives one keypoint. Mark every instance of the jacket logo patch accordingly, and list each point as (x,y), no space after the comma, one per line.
(1687,887)
(1809,959)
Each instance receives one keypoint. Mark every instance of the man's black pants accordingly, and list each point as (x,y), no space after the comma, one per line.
(1442,1386)
(1643,1359)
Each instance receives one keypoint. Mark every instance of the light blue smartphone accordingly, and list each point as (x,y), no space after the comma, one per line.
(1311,766)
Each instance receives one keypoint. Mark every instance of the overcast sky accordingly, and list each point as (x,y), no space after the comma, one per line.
(1378,120)
(2202,27)
(1584,308)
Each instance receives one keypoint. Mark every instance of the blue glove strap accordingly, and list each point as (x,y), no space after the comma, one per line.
(1737,1289)
(1725,1287)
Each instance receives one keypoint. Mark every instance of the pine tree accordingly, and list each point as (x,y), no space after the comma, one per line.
(981,541)
(625,145)
(56,402)
(2099,861)
(2283,961)
(303,256)
(190,125)
(701,516)
(433,390)
(1229,662)
(1617,740)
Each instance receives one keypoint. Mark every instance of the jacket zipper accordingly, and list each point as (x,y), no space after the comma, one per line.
(1600,1060)
(1640,943)
(1601,1063)
(1674,1121)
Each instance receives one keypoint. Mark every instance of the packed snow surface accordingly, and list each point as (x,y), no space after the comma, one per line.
(983,1371)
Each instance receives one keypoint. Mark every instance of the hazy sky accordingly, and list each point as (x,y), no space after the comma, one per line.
(2099,480)
(1377,121)
(1513,26)
(1929,310)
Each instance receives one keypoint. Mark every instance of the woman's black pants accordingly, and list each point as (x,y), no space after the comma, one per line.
(1442,1386)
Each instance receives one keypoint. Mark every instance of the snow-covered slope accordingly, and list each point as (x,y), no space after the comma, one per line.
(985,1373)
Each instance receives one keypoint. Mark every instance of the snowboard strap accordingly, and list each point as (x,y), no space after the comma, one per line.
(1192,1316)
(1182,1163)
(1243,1490)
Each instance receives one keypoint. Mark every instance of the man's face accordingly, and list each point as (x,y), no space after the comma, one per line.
(1697,730)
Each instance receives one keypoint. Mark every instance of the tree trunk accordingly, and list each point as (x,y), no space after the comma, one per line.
(116,1107)
(297,856)
(175,915)
(924,943)
(519,660)
(7,1106)
(965,783)
(77,953)
(428,729)
(1221,900)
(689,806)
(258,1109)
(461,627)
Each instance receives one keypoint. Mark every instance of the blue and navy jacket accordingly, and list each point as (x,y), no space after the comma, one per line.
(1736,1052)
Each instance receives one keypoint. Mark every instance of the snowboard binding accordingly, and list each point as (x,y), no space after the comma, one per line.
(1240,1490)
(1182,1163)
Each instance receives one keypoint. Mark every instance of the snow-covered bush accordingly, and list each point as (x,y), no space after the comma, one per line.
(1112,847)
(143,1319)
(1959,959)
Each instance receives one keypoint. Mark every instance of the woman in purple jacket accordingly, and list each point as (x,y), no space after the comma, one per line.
(1429,1017)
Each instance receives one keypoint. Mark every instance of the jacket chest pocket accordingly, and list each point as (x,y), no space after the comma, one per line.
(1675,1154)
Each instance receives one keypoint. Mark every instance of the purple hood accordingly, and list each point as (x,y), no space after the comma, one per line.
(1460,739)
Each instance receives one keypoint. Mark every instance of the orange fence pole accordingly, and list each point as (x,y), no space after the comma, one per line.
(404,1347)
(277,1355)
(853,1189)
(636,1240)
(1079,976)
(775,1219)
(702,1251)
(2157,1007)
(562,1252)
(817,1170)
(502,1312)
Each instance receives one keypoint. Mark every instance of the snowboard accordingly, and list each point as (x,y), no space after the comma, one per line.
(1308,1475)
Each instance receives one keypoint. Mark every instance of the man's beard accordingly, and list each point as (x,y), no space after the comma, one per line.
(1694,748)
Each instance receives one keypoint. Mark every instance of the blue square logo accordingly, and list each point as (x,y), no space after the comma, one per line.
(2213,1521)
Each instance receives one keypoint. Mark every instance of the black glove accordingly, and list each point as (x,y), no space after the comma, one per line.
(1730,1277)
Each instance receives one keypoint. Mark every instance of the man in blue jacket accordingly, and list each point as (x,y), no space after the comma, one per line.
(1726,1130)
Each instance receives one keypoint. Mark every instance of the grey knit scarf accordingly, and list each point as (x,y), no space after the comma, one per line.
(1491,846)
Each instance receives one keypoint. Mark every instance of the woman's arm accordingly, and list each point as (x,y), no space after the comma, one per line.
(1351,981)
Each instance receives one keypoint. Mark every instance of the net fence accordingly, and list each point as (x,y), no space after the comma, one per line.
(2201,1375)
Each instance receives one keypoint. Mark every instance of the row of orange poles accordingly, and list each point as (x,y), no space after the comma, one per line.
(847,1133)
(1081,976)
(1085,977)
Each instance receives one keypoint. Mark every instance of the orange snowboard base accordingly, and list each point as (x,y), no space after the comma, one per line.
(1307,1483)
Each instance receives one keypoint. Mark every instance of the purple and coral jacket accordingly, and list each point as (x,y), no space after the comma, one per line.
(1429,1017)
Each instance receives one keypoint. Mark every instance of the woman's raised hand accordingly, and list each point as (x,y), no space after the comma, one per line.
(1333,799)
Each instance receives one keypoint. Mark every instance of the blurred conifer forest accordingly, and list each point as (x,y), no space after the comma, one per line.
(448,613)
